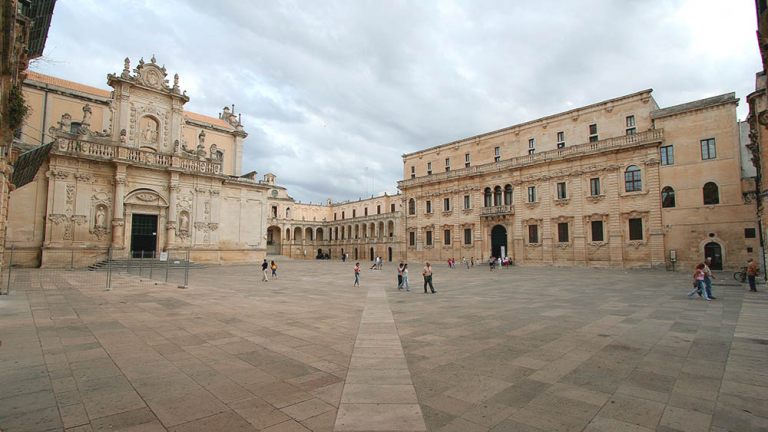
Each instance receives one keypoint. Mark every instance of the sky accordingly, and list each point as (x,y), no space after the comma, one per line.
(333,93)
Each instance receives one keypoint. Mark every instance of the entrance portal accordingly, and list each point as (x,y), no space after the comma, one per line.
(499,240)
(713,250)
(143,235)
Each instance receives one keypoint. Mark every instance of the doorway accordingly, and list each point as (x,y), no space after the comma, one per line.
(713,250)
(143,235)
(499,241)
(389,254)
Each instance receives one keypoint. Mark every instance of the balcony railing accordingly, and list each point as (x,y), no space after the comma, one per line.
(501,210)
(107,151)
(626,141)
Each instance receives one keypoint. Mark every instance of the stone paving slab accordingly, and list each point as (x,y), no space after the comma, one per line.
(511,350)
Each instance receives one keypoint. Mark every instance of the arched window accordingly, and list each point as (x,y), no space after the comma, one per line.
(287,212)
(667,197)
(497,196)
(487,197)
(508,195)
(711,193)
(633,181)
(411,206)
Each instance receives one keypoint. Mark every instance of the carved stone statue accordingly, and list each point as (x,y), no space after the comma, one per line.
(66,122)
(183,222)
(101,216)
(176,147)
(123,136)
(149,130)
(126,68)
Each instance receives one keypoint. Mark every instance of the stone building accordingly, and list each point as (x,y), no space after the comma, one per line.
(130,169)
(616,183)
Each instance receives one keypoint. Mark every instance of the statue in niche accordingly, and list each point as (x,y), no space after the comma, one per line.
(149,129)
(183,222)
(101,217)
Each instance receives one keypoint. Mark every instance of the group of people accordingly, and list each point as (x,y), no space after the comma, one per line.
(702,278)
(377,263)
(264,266)
(402,275)
(498,262)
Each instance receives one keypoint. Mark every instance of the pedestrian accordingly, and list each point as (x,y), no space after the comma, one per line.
(343,257)
(427,273)
(264,266)
(375,262)
(381,260)
(708,276)
(698,282)
(357,274)
(491,263)
(273,266)
(472,261)
(449,263)
(752,271)
(400,276)
(465,262)
(405,278)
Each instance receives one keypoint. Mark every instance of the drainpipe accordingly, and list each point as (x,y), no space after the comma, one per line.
(45,116)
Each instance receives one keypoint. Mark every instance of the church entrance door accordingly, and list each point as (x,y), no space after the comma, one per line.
(499,241)
(143,235)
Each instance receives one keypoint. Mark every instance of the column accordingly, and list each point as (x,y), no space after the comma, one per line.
(118,221)
(173,188)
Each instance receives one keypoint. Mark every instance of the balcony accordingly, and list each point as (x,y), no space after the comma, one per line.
(502,210)
(625,141)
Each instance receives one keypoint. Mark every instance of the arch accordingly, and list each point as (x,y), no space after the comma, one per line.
(380,234)
(497,196)
(308,234)
(372,229)
(297,235)
(357,232)
(273,240)
(149,130)
(372,255)
(287,212)
(365,230)
(390,229)
(499,241)
(715,251)
(389,254)
(356,255)
(287,234)
(633,179)
(349,232)
(711,193)
(146,197)
(411,206)
(667,197)
(336,233)
(319,234)
(508,194)
(487,197)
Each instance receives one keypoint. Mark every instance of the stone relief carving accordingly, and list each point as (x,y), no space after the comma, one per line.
(58,174)
(146,197)
(101,203)
(57,219)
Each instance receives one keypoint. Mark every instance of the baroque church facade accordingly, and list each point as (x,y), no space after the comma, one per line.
(619,183)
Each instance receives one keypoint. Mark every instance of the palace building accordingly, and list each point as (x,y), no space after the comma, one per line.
(619,183)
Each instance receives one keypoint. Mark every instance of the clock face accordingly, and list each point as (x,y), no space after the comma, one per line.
(274,192)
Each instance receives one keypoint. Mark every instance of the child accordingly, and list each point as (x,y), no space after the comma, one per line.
(698,282)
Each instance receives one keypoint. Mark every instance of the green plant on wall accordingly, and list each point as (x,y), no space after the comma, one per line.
(18,110)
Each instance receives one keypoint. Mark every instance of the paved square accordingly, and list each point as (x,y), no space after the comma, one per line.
(520,349)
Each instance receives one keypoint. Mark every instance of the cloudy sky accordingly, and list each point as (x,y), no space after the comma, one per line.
(334,92)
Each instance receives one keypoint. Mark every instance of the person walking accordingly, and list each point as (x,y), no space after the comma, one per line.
(427,273)
(708,276)
(375,263)
(357,274)
(698,282)
(400,276)
(752,271)
(379,262)
(405,278)
(491,263)
(264,266)
(273,266)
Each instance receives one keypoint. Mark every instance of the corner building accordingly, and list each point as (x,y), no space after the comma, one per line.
(619,183)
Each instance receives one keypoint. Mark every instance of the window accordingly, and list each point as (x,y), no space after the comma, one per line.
(562,232)
(597,231)
(560,140)
(667,155)
(631,129)
(531,194)
(532,143)
(429,168)
(487,197)
(667,197)
(447,237)
(274,211)
(750,233)
(508,195)
(466,160)
(593,132)
(531,151)
(633,181)
(467,236)
(711,194)
(378,209)
(366,211)
(354,212)
(413,171)
(636,229)
(446,204)
(429,206)
(334,216)
(467,202)
(429,238)
(411,238)
(497,154)
(708,150)
(561,191)
(411,206)
(497,196)
(342,215)
(391,208)
(447,164)
(533,234)
(594,186)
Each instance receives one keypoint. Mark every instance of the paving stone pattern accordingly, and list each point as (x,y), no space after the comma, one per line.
(524,349)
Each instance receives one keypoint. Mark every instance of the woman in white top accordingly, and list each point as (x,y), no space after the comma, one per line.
(405,278)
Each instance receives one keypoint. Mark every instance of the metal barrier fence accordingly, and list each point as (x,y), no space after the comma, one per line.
(25,269)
